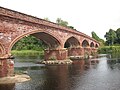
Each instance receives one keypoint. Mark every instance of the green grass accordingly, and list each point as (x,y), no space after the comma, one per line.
(27,53)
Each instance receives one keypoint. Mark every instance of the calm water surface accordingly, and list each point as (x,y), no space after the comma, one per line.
(100,74)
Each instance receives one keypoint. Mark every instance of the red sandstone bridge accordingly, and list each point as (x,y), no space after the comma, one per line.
(62,41)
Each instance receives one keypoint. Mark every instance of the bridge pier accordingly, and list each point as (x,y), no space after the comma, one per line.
(94,51)
(81,52)
(6,67)
(75,51)
(87,50)
(56,54)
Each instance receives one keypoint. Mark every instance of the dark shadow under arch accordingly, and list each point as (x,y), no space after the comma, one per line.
(85,43)
(71,42)
(91,44)
(47,38)
(96,46)
(51,41)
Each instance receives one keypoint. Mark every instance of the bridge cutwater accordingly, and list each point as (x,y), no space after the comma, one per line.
(62,41)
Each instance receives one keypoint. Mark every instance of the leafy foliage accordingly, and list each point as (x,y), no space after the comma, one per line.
(46,18)
(109,49)
(29,43)
(111,37)
(64,23)
(118,36)
(61,22)
(94,35)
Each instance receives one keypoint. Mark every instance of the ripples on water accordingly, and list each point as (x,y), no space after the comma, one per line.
(99,74)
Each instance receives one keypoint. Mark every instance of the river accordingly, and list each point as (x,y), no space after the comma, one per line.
(102,73)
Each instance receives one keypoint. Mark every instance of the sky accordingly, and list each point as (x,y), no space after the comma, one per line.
(85,15)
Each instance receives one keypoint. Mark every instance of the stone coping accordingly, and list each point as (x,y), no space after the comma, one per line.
(14,79)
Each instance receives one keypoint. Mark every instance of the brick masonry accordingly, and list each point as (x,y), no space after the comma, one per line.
(15,25)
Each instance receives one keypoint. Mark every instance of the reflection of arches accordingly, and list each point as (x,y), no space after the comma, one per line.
(48,38)
(1,50)
(91,44)
(71,42)
(96,46)
(85,43)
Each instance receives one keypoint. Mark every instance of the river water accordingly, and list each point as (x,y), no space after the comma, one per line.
(102,73)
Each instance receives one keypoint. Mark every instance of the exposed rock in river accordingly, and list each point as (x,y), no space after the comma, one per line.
(14,79)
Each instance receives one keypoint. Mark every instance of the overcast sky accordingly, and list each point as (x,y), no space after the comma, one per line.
(85,15)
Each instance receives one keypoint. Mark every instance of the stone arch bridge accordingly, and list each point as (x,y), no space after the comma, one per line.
(62,41)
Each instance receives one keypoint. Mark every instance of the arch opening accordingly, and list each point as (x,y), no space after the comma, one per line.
(46,39)
(96,46)
(71,42)
(51,41)
(85,43)
(91,44)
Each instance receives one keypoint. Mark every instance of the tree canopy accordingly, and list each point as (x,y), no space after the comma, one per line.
(111,37)
(61,22)
(118,35)
(94,35)
(29,43)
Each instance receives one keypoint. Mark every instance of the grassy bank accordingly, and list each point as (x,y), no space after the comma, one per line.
(27,53)
(109,49)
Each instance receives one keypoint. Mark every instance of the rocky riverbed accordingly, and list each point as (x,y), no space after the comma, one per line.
(56,62)
(14,79)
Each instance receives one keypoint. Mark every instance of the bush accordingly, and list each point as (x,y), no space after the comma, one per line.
(109,49)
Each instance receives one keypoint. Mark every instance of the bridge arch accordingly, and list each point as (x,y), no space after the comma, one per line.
(85,43)
(51,40)
(71,42)
(96,45)
(92,44)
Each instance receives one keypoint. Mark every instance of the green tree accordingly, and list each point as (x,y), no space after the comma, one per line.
(94,35)
(29,43)
(64,23)
(61,22)
(118,36)
(110,37)
(47,19)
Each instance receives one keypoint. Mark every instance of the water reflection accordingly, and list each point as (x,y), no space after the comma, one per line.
(95,74)
(114,63)
(7,86)
(59,78)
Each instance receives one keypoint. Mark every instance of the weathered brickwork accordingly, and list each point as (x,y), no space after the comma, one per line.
(60,54)
(15,25)
(6,67)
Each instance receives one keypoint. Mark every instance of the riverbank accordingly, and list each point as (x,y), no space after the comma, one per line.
(14,79)
(27,53)
(109,49)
